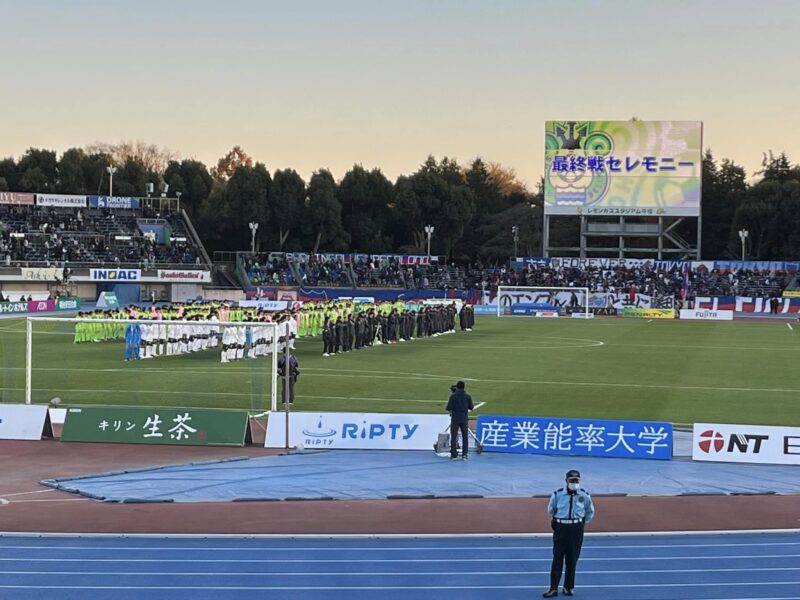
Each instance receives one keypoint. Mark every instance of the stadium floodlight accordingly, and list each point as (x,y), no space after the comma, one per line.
(429,232)
(178,196)
(253,229)
(743,235)
(111,170)
(515,231)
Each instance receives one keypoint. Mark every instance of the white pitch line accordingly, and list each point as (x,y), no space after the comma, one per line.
(789,325)
(24,493)
(478,405)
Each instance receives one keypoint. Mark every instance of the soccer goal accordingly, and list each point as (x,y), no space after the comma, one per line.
(541,301)
(213,364)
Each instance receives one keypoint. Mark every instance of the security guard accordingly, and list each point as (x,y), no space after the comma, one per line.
(571,508)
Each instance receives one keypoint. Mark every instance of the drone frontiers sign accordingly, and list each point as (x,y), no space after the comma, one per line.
(623,168)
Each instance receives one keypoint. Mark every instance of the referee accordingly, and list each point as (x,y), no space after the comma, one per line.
(571,508)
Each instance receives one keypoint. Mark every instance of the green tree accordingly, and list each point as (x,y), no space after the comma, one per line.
(366,197)
(8,172)
(287,204)
(71,174)
(324,214)
(192,179)
(38,171)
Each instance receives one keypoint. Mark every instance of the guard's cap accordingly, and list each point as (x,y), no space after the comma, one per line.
(573,473)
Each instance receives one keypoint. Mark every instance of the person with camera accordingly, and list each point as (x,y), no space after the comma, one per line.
(570,508)
(459,405)
(294,372)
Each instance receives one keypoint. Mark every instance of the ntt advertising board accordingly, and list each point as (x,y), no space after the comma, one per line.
(717,442)
(355,431)
(623,168)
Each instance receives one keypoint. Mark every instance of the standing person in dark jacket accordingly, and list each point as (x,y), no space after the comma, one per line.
(459,405)
(338,337)
(327,338)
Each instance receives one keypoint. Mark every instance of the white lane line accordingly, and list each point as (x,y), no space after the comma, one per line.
(385,560)
(370,573)
(24,493)
(789,325)
(478,405)
(402,587)
(414,549)
(49,500)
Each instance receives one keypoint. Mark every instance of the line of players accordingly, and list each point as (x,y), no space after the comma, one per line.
(370,327)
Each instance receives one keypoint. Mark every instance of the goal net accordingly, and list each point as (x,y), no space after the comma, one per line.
(184,363)
(541,301)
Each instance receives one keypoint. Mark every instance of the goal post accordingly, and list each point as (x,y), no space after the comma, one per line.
(535,300)
(192,363)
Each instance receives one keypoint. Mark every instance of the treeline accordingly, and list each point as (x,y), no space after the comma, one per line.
(472,207)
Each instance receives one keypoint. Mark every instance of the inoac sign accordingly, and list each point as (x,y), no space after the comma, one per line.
(746,443)
(356,430)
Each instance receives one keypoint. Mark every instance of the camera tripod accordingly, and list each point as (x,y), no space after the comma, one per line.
(442,445)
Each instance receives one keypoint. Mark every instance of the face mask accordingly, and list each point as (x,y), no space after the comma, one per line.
(573,487)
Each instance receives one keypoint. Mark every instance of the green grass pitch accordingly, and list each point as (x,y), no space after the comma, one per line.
(683,372)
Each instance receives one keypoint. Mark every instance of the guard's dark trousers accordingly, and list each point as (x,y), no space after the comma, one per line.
(455,427)
(567,542)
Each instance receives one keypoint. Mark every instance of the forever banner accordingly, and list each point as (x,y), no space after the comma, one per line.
(142,425)
(575,437)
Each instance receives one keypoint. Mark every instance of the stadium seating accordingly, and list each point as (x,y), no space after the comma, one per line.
(82,237)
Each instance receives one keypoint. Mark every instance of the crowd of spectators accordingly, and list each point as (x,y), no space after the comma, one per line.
(262,270)
(32,235)
(389,272)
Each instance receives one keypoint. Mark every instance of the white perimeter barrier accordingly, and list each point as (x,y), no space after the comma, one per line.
(22,421)
(704,314)
(363,431)
(746,444)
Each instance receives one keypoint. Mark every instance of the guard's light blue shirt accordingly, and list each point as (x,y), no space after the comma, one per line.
(564,505)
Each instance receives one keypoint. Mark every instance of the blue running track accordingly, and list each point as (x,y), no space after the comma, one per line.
(654,567)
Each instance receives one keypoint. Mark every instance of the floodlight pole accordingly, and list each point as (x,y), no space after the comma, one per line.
(515,231)
(743,234)
(253,229)
(429,229)
(111,170)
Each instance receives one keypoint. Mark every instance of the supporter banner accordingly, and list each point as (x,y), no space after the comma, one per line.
(747,304)
(274,305)
(41,273)
(380,295)
(16,198)
(115,274)
(649,313)
(628,263)
(746,444)
(756,265)
(13,307)
(113,202)
(485,309)
(68,304)
(593,310)
(22,421)
(184,276)
(791,293)
(577,437)
(373,431)
(65,200)
(537,261)
(41,306)
(706,315)
(141,425)
(364,300)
